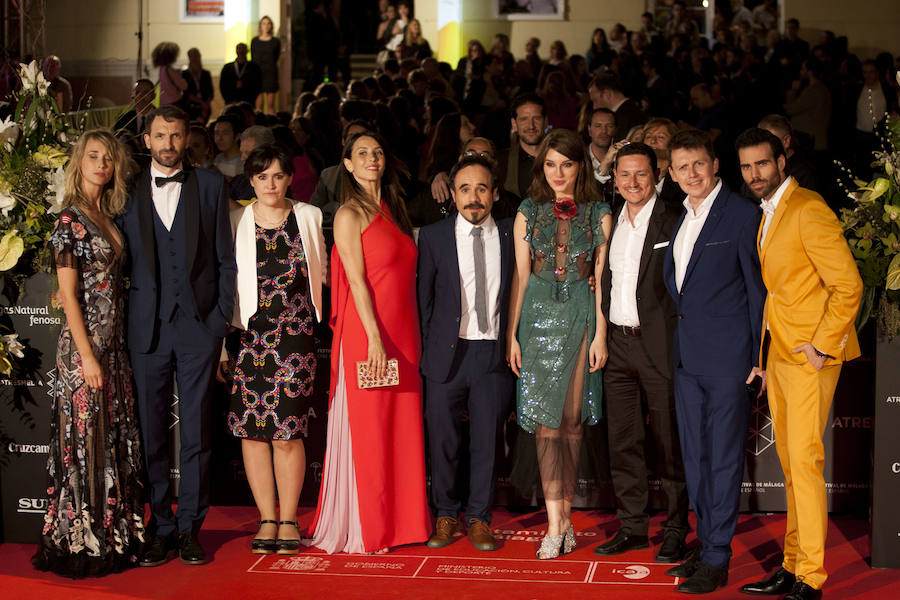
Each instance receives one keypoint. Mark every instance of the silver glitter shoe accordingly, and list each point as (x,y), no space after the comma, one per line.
(569,540)
(550,546)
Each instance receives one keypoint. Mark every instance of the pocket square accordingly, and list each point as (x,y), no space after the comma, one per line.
(718,243)
(661,245)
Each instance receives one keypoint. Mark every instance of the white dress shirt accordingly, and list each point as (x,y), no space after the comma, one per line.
(769,206)
(625,262)
(689,232)
(165,198)
(468,321)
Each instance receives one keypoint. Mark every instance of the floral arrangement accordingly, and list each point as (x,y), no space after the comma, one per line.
(34,149)
(872,228)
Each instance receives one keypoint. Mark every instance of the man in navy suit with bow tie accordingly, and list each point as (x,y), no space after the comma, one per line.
(465,265)
(182,269)
(712,272)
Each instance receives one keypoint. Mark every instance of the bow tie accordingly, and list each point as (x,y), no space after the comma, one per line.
(177,177)
(768,207)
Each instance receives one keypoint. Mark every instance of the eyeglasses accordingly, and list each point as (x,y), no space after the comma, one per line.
(473,153)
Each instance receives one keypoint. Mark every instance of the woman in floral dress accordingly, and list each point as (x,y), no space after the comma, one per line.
(95,519)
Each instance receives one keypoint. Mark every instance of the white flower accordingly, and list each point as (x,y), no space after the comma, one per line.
(7,202)
(9,132)
(29,74)
(13,345)
(57,189)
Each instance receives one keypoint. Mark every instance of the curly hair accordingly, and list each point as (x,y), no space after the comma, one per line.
(164,54)
(115,192)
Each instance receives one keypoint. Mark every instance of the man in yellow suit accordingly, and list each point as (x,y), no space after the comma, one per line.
(814,291)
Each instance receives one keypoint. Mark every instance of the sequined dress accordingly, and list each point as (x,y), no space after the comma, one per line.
(276,363)
(95,516)
(558,310)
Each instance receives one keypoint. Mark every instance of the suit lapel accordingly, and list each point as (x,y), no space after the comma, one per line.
(712,220)
(190,197)
(776,218)
(653,228)
(144,199)
(453,257)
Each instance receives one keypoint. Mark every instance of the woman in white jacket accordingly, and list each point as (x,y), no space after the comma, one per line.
(281,260)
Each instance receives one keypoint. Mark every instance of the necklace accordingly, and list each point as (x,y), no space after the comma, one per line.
(268,222)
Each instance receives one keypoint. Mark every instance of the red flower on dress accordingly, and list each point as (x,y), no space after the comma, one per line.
(565,209)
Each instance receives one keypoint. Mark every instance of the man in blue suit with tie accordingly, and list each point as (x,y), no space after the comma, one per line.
(465,265)
(712,272)
(181,300)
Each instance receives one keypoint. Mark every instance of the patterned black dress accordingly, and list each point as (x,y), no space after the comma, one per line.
(276,363)
(95,519)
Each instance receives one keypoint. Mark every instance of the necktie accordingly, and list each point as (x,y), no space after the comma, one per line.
(177,177)
(480,279)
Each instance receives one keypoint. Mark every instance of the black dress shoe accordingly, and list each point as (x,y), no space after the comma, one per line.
(705,579)
(688,567)
(190,550)
(161,550)
(672,549)
(621,543)
(780,582)
(802,591)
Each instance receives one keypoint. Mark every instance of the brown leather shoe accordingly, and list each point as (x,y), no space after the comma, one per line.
(443,532)
(479,534)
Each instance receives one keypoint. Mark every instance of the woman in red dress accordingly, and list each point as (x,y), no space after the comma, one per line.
(373,485)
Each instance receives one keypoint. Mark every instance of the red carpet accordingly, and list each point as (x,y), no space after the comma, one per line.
(457,572)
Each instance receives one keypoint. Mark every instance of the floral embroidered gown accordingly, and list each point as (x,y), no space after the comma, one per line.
(95,519)
(276,363)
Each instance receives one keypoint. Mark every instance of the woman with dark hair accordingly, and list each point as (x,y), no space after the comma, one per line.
(557,334)
(373,487)
(280,254)
(265,49)
(453,132)
(171,84)
(95,515)
(305,174)
(599,54)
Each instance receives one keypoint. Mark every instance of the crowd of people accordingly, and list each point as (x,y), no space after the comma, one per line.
(577,240)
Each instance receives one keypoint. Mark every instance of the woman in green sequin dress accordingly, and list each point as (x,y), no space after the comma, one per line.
(557,343)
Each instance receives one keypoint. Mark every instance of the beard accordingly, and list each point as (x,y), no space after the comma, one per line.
(770,186)
(172,160)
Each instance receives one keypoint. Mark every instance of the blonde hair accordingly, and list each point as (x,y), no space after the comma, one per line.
(114,193)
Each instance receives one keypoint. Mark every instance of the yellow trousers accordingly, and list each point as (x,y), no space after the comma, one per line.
(799,400)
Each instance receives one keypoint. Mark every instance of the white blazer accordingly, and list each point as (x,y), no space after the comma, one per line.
(243,227)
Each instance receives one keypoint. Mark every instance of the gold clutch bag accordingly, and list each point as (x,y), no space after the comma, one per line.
(366,380)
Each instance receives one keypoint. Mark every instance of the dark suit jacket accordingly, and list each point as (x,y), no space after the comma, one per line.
(210,255)
(721,299)
(627,116)
(205,90)
(656,309)
(439,293)
(251,83)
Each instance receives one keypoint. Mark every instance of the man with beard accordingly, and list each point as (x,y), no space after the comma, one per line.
(529,120)
(464,275)
(638,374)
(181,300)
(814,295)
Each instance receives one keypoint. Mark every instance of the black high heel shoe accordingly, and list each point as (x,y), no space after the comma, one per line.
(264,545)
(288,546)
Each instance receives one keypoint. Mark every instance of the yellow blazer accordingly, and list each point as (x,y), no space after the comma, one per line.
(813,282)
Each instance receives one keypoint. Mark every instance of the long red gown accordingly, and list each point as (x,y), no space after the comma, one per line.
(385,424)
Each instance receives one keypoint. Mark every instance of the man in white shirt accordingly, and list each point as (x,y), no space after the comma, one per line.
(638,374)
(464,270)
(712,273)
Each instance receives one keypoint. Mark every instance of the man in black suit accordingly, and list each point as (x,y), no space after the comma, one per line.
(638,375)
(465,267)
(181,300)
(240,80)
(528,121)
(605,91)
